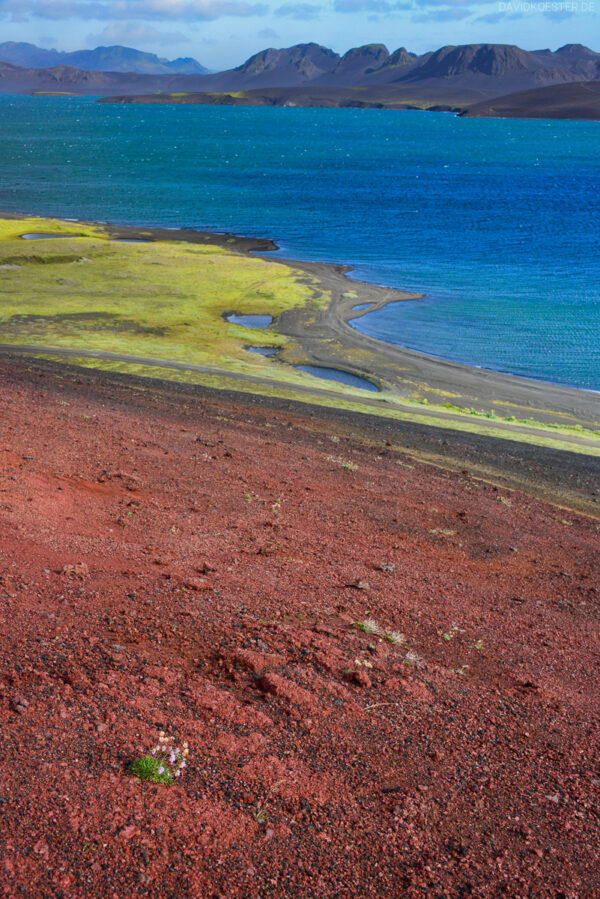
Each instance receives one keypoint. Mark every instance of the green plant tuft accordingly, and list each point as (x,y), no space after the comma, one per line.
(147,768)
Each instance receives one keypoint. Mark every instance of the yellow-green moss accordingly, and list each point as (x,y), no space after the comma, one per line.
(158,299)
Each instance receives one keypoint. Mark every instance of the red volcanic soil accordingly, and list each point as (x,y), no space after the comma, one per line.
(195,564)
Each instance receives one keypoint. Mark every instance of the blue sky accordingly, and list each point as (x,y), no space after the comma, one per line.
(223,33)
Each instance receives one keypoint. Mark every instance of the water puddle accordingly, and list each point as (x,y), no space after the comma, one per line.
(37,235)
(263,350)
(251,321)
(130,240)
(336,374)
(361,306)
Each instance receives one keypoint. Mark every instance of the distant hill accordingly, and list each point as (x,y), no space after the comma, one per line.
(580,60)
(576,100)
(68,80)
(289,67)
(102,59)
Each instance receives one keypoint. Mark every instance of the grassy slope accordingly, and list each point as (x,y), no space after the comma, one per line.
(162,300)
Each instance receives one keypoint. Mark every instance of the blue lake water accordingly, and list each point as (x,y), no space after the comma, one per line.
(40,235)
(496,221)
(250,321)
(263,350)
(336,374)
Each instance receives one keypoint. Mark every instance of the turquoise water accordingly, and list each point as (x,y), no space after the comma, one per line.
(497,222)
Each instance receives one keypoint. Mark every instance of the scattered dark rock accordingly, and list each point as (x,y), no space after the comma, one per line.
(18,704)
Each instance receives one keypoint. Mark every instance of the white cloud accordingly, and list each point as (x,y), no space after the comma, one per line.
(135,34)
(302,11)
(123,10)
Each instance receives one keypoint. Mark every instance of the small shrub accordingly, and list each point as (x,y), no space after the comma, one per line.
(164,763)
(370,626)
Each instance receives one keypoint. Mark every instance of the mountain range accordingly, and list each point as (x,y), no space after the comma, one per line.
(472,66)
(310,74)
(102,59)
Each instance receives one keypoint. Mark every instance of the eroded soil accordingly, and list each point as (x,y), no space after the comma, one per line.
(198,565)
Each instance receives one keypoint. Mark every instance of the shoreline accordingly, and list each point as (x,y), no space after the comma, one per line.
(559,475)
(325,337)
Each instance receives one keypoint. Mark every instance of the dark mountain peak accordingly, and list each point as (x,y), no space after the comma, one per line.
(378,53)
(574,52)
(401,57)
(495,60)
(286,66)
(311,54)
(356,63)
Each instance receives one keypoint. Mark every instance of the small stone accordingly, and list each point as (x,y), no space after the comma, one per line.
(389,567)
(79,569)
(18,703)
(197,584)
(359,585)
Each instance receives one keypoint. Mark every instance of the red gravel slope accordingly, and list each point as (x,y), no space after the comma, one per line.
(220,555)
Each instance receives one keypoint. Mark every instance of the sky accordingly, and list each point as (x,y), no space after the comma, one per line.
(223,33)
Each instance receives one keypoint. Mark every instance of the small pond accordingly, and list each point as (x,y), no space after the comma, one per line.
(336,374)
(263,350)
(35,235)
(251,321)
